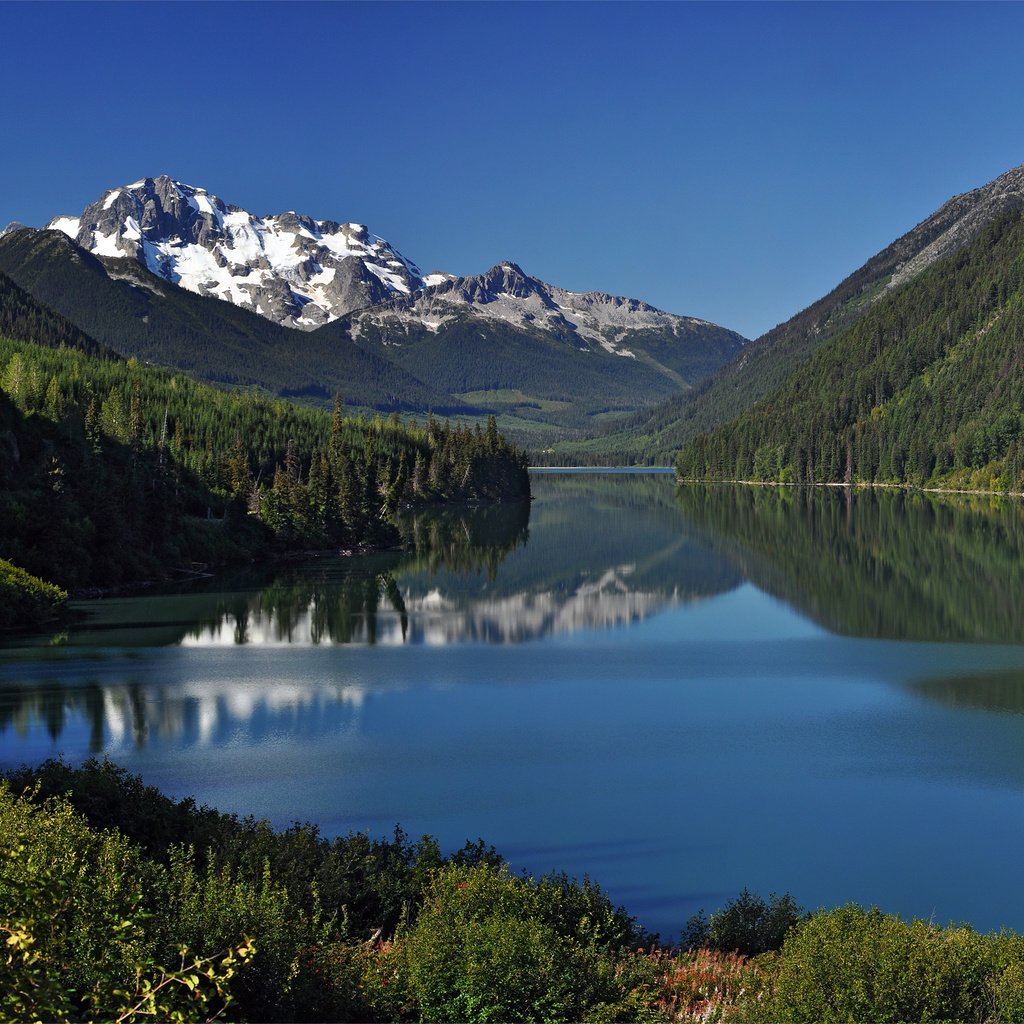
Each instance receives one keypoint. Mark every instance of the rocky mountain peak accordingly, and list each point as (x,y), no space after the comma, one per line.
(291,268)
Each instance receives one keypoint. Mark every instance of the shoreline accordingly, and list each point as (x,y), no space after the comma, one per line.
(863,485)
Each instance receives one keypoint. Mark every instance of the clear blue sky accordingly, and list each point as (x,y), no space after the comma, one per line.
(730,161)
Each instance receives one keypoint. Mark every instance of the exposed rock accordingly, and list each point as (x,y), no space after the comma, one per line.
(291,268)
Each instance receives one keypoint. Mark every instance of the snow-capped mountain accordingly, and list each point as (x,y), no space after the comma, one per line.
(290,268)
(301,272)
(508,294)
(499,340)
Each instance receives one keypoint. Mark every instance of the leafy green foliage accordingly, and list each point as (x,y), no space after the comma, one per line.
(371,884)
(926,388)
(747,925)
(26,600)
(851,964)
(88,917)
(213,908)
(485,947)
(73,902)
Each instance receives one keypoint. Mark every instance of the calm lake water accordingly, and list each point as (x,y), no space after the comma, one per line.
(681,694)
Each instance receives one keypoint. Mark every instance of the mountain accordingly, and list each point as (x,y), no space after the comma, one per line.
(511,342)
(926,388)
(132,311)
(305,273)
(767,361)
(292,269)
(546,359)
(675,347)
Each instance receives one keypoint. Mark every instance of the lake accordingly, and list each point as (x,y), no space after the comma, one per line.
(679,693)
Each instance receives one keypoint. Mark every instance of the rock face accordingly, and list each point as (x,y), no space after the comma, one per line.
(290,268)
(306,273)
(505,293)
(957,222)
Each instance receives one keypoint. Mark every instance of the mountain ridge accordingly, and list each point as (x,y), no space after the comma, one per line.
(547,360)
(304,273)
(767,361)
(925,389)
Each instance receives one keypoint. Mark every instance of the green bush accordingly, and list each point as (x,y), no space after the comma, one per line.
(26,600)
(584,911)
(747,925)
(215,908)
(375,882)
(851,964)
(482,949)
(72,912)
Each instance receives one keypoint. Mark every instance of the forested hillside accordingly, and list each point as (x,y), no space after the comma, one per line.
(926,388)
(110,471)
(655,435)
(22,317)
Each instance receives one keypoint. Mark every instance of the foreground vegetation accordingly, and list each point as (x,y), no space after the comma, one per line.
(119,903)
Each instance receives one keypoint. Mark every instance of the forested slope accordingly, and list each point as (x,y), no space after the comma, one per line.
(926,388)
(110,471)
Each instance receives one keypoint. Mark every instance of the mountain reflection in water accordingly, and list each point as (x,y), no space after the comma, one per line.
(595,552)
(667,688)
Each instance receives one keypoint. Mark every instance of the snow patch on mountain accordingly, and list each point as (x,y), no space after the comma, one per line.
(506,293)
(290,268)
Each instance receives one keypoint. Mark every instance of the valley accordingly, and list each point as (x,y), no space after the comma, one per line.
(303,309)
(164,417)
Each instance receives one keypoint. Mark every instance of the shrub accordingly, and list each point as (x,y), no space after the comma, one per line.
(26,600)
(71,917)
(213,908)
(481,950)
(852,964)
(583,910)
(748,925)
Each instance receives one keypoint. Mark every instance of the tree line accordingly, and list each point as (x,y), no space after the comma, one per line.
(112,471)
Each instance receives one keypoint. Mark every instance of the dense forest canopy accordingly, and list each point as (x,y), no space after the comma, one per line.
(927,388)
(111,471)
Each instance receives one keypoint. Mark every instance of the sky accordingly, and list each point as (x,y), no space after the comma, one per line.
(729,161)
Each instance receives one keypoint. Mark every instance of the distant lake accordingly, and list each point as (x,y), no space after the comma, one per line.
(677,692)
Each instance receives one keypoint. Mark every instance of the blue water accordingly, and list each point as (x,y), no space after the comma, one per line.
(625,695)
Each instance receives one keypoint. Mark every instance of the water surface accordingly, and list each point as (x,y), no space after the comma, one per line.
(679,694)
